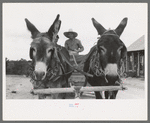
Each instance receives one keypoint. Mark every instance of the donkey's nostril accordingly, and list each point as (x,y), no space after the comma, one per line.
(112,79)
(43,74)
(40,75)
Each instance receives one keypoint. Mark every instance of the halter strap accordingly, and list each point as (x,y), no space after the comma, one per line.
(115,34)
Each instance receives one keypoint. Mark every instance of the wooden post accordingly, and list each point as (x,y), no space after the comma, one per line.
(127,64)
(138,64)
(132,62)
(77,91)
(143,63)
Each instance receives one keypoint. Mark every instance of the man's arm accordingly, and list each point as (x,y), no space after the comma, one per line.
(81,48)
(66,45)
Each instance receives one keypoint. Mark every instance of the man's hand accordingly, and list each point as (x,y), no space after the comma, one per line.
(77,51)
(72,52)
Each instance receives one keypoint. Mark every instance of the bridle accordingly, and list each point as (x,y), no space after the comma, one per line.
(96,67)
(52,73)
(114,33)
(95,64)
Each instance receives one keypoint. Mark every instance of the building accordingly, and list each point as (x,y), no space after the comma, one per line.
(135,58)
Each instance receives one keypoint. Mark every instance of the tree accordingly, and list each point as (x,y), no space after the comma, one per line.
(19,67)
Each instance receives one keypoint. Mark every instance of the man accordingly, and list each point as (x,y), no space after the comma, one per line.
(73,45)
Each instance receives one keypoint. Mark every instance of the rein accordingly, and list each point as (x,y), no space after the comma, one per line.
(56,76)
(82,72)
(53,73)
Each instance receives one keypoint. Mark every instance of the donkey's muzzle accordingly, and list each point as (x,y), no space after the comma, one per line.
(111,73)
(112,79)
(39,75)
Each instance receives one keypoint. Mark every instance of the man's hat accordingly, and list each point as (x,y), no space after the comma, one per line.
(70,31)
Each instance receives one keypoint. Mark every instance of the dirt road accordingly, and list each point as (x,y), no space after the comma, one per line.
(18,87)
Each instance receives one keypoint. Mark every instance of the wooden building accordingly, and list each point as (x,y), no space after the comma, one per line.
(135,58)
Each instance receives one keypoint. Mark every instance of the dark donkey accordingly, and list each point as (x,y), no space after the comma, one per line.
(105,59)
(48,67)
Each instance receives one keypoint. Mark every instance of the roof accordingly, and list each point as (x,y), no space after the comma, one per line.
(137,45)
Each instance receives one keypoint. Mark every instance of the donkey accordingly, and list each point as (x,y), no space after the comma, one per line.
(105,59)
(48,67)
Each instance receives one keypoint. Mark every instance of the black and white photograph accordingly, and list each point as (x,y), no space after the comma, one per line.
(75,61)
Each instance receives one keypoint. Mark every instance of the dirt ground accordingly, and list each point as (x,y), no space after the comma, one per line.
(19,87)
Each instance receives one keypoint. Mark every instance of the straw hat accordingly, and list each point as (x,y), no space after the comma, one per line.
(70,31)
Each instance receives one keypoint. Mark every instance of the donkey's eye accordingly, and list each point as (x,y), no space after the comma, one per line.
(32,52)
(50,50)
(102,49)
(33,49)
(119,50)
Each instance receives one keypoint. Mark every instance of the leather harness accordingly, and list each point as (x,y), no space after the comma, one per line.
(95,66)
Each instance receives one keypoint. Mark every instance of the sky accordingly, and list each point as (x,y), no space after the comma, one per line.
(75,16)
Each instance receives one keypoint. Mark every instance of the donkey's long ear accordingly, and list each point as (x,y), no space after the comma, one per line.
(54,29)
(100,29)
(121,26)
(34,31)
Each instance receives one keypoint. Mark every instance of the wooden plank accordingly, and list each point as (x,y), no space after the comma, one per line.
(71,90)
(102,88)
(53,90)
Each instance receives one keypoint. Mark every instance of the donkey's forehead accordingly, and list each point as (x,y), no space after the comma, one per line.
(110,32)
(43,34)
(42,41)
(110,40)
